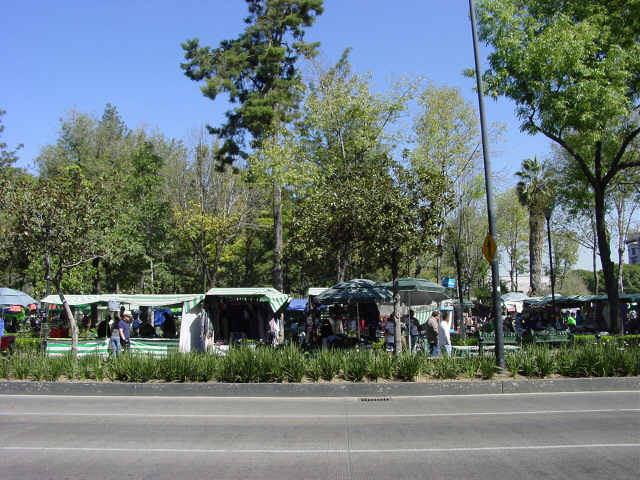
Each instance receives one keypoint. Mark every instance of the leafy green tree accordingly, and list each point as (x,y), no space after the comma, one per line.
(631,279)
(347,131)
(14,266)
(511,224)
(564,254)
(576,200)
(63,222)
(573,69)
(214,211)
(535,192)
(625,202)
(98,146)
(363,210)
(464,235)
(573,284)
(7,157)
(447,140)
(258,71)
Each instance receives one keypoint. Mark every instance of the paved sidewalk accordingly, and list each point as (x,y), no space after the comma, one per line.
(384,389)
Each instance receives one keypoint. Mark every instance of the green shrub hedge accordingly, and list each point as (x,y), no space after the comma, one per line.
(585,358)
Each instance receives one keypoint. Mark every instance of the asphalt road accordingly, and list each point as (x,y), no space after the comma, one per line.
(558,435)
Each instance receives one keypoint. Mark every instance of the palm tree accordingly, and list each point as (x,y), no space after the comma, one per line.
(535,191)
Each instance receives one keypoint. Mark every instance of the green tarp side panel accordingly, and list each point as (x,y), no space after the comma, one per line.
(56,348)
(140,346)
(423,312)
(157,347)
(265,294)
(313,291)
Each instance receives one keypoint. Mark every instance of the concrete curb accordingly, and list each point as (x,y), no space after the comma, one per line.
(298,390)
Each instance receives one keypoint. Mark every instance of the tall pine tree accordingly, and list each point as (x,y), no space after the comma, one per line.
(258,72)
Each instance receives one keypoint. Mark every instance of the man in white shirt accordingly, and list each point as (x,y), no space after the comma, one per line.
(389,331)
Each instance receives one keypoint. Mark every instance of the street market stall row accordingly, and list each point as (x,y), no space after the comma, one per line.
(219,316)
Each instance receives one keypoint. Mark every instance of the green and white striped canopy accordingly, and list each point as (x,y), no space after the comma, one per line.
(73,299)
(264,294)
(423,312)
(159,300)
(313,291)
(141,300)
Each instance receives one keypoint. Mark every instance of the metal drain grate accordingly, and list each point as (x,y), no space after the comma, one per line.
(375,399)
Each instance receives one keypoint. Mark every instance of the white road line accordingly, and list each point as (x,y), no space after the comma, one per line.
(311,416)
(321,451)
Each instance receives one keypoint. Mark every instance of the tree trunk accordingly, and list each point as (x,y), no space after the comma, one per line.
(536,248)
(604,248)
(107,278)
(67,310)
(439,258)
(418,269)
(396,303)
(152,279)
(343,262)
(621,269)
(278,280)
(512,287)
(96,291)
(460,308)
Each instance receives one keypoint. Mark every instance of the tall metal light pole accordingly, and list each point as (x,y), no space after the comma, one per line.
(547,214)
(495,268)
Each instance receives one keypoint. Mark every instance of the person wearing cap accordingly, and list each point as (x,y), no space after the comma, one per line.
(126,329)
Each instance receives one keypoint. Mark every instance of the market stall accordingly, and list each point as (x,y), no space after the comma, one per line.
(191,309)
(239,314)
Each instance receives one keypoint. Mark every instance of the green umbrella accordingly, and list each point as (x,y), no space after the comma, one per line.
(358,290)
(417,291)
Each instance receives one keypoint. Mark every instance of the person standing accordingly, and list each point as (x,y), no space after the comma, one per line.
(431,332)
(444,333)
(103,327)
(135,323)
(117,335)
(412,326)
(390,338)
(126,329)
(168,325)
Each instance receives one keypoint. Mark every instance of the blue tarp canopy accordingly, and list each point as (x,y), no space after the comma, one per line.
(297,305)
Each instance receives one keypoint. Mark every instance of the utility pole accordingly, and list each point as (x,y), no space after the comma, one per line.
(495,268)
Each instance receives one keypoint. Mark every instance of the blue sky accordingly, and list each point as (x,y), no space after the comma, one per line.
(62,54)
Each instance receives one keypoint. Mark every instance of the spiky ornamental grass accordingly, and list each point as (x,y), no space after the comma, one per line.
(356,365)
(291,364)
(407,366)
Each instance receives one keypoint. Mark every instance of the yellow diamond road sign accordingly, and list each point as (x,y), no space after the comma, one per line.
(489,248)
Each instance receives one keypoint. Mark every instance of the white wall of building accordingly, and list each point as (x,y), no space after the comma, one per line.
(633,248)
(524,282)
